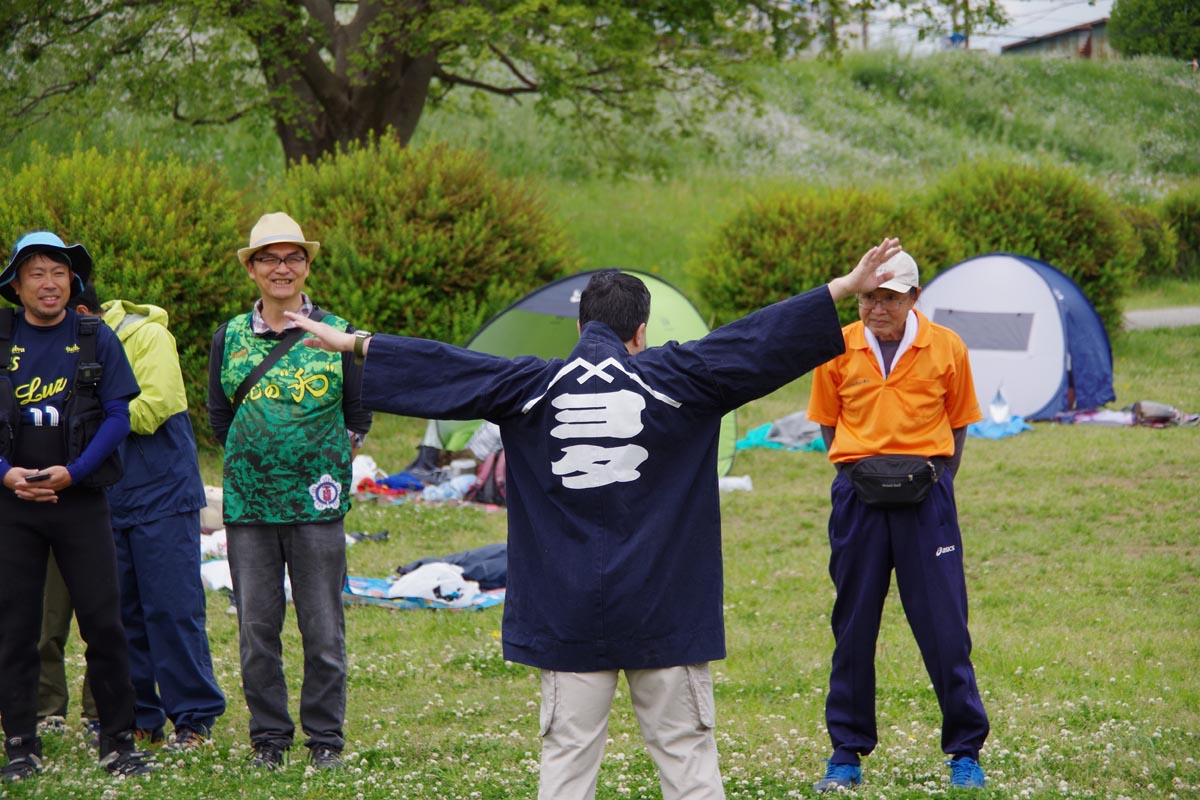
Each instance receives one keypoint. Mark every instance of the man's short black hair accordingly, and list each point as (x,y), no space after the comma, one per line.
(53,256)
(619,300)
(86,297)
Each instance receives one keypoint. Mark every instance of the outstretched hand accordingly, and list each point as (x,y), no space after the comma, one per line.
(323,336)
(863,278)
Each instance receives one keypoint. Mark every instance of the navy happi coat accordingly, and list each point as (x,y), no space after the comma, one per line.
(614,529)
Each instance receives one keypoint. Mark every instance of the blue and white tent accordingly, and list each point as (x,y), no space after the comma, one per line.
(1030,330)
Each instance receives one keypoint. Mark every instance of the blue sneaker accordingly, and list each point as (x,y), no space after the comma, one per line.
(838,777)
(965,772)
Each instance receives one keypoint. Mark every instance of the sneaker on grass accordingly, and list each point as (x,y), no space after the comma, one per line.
(839,777)
(186,738)
(966,773)
(129,764)
(324,756)
(24,758)
(19,769)
(118,755)
(266,756)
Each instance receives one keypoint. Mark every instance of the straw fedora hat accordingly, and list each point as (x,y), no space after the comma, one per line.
(274,229)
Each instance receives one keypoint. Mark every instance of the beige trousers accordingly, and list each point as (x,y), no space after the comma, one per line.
(675,711)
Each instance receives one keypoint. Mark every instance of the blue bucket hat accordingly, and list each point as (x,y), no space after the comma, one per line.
(45,242)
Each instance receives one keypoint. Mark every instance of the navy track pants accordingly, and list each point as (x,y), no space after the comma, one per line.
(923,545)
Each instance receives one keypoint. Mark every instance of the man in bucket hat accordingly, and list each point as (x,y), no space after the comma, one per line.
(53,500)
(155,511)
(290,420)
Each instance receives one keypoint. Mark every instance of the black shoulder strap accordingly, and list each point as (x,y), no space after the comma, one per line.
(88,325)
(277,352)
(7,315)
(88,371)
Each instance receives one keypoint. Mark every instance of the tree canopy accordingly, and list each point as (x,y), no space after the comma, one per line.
(329,72)
(1156,28)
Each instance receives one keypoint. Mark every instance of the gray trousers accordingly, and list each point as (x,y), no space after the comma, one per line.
(674,707)
(315,557)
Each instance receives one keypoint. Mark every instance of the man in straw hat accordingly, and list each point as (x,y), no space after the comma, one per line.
(290,420)
(59,371)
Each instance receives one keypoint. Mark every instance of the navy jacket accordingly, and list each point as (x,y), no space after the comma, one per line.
(162,474)
(614,531)
(161,478)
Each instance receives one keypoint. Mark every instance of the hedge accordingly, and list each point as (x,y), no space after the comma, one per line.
(1049,213)
(788,242)
(1181,210)
(428,242)
(1158,243)
(424,242)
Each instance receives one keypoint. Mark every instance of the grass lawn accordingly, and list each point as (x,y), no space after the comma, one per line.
(1164,294)
(1083,562)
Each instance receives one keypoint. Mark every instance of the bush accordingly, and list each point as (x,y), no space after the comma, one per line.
(1157,241)
(1045,212)
(158,232)
(1181,210)
(425,242)
(789,242)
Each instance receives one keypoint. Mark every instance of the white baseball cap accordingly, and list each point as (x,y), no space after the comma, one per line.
(905,275)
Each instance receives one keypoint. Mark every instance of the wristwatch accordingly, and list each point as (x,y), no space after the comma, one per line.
(360,338)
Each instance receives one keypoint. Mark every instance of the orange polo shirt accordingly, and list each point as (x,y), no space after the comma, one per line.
(913,411)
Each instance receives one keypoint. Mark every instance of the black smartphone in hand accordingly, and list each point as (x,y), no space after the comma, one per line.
(40,476)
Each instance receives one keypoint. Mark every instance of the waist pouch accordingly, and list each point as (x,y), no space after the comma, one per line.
(894,481)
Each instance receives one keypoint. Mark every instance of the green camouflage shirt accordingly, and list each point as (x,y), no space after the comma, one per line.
(287,456)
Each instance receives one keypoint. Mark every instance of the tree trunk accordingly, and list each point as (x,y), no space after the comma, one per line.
(310,125)
(320,103)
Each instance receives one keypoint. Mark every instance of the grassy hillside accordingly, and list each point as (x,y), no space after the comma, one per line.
(877,119)
(883,117)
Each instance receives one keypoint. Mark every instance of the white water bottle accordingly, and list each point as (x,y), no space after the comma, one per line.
(998,410)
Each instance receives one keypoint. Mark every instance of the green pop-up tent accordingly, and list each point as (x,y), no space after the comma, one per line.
(543,323)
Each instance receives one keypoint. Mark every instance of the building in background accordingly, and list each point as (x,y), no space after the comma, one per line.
(1086,40)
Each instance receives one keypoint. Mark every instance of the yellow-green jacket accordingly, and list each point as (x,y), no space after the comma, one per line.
(162,474)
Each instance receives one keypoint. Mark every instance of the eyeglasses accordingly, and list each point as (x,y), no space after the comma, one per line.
(889,303)
(294,260)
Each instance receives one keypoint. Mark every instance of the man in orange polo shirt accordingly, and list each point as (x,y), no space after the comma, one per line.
(903,389)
